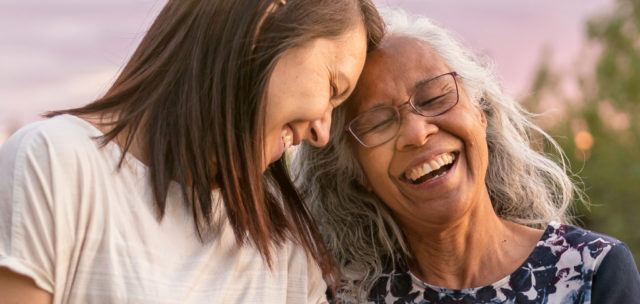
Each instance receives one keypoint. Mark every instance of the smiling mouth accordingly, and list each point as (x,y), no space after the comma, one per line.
(431,169)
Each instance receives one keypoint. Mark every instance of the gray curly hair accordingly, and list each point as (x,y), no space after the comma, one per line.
(526,186)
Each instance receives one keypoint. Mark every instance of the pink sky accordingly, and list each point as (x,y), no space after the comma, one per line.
(62,53)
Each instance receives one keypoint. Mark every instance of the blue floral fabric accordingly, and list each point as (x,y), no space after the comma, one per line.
(560,269)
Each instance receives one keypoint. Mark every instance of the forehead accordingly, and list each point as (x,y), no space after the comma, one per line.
(392,71)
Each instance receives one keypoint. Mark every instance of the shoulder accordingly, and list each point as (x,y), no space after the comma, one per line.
(577,237)
(566,263)
(575,245)
(38,180)
(49,157)
(58,140)
(617,278)
(61,134)
(573,251)
(58,131)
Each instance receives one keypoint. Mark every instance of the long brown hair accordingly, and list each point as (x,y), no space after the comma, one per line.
(193,92)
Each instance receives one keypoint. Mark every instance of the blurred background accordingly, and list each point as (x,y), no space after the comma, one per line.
(575,62)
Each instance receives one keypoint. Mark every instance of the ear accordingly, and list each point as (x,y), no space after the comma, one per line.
(483,119)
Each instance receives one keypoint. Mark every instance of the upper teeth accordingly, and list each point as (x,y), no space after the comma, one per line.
(430,165)
(286,138)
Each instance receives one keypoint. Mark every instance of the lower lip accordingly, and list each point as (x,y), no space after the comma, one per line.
(438,180)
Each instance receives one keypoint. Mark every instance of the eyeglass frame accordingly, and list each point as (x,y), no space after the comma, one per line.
(397,110)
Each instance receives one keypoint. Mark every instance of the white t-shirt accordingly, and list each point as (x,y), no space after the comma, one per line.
(89,233)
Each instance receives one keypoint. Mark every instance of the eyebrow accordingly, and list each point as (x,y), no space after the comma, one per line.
(421,82)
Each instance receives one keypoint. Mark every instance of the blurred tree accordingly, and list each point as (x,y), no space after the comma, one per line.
(600,129)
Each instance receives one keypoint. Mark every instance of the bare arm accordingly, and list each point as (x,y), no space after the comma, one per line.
(18,289)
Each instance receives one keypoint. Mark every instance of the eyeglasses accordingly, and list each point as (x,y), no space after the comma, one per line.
(432,97)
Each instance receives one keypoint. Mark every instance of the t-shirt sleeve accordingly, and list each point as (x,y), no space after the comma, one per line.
(26,216)
(617,279)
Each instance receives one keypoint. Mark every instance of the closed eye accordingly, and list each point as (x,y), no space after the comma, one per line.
(334,90)
(429,101)
(340,87)
(377,127)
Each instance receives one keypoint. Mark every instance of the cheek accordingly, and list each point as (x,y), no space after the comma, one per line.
(478,148)
(275,99)
(297,104)
(274,119)
(484,152)
(308,102)
(297,91)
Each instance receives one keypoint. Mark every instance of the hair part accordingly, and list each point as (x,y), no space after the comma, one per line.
(186,93)
(526,186)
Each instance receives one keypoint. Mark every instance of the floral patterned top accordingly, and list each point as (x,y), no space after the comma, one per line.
(568,265)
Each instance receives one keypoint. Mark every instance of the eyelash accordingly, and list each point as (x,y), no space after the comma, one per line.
(334,90)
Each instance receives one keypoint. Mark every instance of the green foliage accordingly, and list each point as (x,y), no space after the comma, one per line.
(608,110)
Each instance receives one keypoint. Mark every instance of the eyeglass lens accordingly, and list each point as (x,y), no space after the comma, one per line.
(432,98)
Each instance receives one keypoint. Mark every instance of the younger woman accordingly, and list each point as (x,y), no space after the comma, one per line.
(170,188)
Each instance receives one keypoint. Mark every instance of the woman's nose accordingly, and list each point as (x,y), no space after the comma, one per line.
(415,130)
(319,129)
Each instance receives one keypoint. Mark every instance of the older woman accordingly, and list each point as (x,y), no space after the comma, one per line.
(430,192)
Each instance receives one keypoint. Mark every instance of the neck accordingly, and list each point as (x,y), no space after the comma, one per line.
(473,251)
